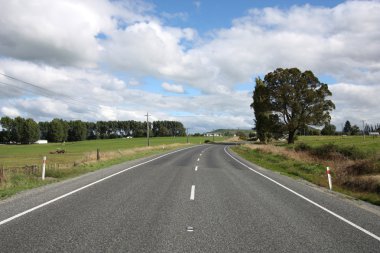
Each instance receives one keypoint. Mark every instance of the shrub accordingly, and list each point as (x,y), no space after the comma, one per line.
(325,151)
(207,141)
(352,152)
(302,147)
(362,184)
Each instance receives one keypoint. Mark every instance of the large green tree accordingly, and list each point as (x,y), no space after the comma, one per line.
(298,99)
(262,109)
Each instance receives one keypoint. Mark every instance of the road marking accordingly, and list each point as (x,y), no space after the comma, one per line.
(196,168)
(190,229)
(198,160)
(84,187)
(192,192)
(307,199)
(200,154)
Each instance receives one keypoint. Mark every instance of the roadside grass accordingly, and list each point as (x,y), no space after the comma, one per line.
(312,172)
(79,158)
(364,186)
(368,145)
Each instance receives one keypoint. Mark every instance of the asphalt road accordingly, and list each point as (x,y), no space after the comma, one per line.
(196,200)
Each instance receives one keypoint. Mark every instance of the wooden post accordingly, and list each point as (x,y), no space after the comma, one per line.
(2,173)
(43,167)
(97,154)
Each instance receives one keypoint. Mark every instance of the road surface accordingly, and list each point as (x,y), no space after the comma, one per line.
(201,199)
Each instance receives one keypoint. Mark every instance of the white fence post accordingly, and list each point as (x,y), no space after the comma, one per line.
(43,168)
(329,177)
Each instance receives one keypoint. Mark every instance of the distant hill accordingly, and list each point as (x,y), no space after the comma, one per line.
(231,131)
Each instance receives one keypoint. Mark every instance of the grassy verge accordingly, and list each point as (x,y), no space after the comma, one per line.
(310,170)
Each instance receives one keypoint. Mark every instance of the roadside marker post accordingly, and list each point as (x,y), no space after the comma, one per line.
(329,177)
(43,167)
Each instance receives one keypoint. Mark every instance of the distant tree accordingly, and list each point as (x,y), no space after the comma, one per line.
(77,131)
(328,130)
(17,129)
(355,130)
(44,129)
(298,99)
(6,125)
(30,132)
(56,131)
(347,128)
(92,133)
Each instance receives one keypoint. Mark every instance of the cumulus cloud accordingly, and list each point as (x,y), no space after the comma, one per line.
(63,32)
(173,87)
(61,50)
(355,103)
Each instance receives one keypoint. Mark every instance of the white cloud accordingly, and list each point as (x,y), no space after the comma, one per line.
(355,103)
(197,4)
(58,50)
(61,32)
(173,87)
(10,111)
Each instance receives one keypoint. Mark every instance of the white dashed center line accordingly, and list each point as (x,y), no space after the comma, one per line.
(192,192)
(196,168)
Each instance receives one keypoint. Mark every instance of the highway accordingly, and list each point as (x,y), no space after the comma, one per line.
(200,199)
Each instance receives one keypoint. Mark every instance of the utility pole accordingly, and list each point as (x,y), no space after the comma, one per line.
(187,134)
(363,130)
(147,127)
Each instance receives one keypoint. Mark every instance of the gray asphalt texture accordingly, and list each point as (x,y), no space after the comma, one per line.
(148,209)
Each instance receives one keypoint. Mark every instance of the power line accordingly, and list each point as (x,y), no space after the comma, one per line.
(41,91)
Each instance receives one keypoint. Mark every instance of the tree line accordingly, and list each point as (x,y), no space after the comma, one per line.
(25,131)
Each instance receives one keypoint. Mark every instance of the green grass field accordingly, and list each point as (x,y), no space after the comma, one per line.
(368,144)
(21,155)
(12,157)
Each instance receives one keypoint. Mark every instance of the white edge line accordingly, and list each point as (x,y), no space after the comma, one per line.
(308,200)
(84,187)
(192,193)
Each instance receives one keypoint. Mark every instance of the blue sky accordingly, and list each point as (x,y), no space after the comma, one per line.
(192,61)
(209,15)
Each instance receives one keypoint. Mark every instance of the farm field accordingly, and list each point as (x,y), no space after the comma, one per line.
(20,165)
(368,144)
(21,155)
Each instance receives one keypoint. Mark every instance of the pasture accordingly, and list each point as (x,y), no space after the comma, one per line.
(369,145)
(21,155)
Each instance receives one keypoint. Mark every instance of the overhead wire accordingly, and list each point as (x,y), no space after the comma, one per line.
(41,91)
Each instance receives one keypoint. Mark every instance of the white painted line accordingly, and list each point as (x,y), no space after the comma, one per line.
(192,192)
(198,160)
(196,168)
(307,199)
(200,154)
(84,187)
